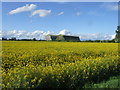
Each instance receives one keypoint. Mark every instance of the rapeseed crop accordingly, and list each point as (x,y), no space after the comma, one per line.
(36,64)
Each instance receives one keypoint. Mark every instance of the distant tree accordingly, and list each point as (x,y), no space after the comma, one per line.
(97,40)
(13,38)
(34,39)
(26,39)
(113,40)
(89,41)
(3,38)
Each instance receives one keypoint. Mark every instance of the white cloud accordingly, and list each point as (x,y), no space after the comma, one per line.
(37,33)
(65,32)
(48,32)
(14,33)
(25,8)
(60,13)
(41,13)
(78,13)
(95,36)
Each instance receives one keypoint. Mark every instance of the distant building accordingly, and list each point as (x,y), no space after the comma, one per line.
(117,37)
(62,38)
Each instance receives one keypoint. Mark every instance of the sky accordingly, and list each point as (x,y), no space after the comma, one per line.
(88,20)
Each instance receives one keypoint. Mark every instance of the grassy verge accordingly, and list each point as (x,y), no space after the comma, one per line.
(113,82)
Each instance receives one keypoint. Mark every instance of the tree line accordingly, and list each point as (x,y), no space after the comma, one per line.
(34,39)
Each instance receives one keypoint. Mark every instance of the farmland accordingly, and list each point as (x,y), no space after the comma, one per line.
(40,64)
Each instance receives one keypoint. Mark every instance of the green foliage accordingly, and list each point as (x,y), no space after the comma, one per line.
(113,82)
(34,39)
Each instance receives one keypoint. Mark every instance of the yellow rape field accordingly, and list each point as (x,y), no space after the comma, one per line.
(42,64)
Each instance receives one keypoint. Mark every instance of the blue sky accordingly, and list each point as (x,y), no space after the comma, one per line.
(75,18)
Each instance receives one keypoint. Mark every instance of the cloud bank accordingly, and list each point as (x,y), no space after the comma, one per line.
(96,36)
(40,34)
(23,34)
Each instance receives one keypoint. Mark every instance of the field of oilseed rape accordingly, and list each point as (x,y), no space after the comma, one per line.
(41,64)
